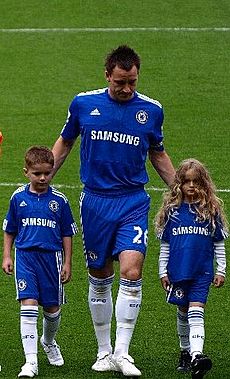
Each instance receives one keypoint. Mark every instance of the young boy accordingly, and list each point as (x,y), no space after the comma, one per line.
(40,224)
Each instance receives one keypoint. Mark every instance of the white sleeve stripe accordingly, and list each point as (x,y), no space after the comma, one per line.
(60,194)
(220,256)
(74,228)
(148,99)
(18,190)
(163,258)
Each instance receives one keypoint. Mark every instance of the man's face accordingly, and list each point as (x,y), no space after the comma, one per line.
(122,83)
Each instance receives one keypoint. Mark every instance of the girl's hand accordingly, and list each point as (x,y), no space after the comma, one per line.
(218,281)
(165,282)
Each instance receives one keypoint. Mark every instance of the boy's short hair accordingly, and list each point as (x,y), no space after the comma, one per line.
(38,154)
(124,57)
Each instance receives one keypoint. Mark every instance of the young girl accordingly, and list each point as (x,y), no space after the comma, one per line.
(192,227)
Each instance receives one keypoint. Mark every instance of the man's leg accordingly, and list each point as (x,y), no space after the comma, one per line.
(127,309)
(101,308)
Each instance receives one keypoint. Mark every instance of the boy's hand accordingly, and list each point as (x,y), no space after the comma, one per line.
(165,282)
(218,281)
(66,273)
(8,266)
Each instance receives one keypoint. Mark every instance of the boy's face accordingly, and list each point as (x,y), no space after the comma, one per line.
(39,176)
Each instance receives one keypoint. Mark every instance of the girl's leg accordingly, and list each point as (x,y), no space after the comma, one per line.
(183,334)
(197,332)
(200,363)
(183,328)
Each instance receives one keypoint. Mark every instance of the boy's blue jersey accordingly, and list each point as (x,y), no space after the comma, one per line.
(191,244)
(115,138)
(39,221)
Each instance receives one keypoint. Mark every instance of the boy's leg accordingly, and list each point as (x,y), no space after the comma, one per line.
(51,322)
(29,336)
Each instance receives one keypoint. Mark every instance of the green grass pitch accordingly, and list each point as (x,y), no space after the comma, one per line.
(188,72)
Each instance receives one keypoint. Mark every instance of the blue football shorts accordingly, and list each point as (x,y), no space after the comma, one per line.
(38,276)
(187,291)
(111,225)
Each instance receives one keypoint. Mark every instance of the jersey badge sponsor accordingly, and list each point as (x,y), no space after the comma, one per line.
(142,117)
(178,293)
(92,255)
(23,204)
(95,112)
(53,205)
(22,284)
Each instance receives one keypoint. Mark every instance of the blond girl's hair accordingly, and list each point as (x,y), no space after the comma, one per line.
(207,205)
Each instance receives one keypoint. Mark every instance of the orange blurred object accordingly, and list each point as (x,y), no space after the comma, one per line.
(1,137)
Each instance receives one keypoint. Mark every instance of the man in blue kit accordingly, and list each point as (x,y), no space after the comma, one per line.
(40,223)
(118,128)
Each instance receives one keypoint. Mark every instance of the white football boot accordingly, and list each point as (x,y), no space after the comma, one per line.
(53,353)
(125,364)
(104,362)
(29,370)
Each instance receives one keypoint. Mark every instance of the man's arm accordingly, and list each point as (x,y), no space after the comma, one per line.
(163,165)
(60,151)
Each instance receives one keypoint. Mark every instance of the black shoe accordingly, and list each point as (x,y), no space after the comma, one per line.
(200,365)
(184,364)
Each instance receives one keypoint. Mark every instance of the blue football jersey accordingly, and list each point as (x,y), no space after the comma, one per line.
(39,221)
(191,244)
(115,138)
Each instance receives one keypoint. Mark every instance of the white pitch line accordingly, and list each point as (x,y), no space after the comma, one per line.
(134,29)
(68,186)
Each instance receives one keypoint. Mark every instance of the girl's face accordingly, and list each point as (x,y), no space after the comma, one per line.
(190,186)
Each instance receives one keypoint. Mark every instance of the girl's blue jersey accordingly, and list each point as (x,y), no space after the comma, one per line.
(115,139)
(191,244)
(39,221)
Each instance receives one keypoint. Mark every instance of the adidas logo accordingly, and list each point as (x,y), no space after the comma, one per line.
(95,112)
(23,204)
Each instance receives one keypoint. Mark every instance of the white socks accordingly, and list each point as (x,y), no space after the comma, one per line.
(29,335)
(51,322)
(197,335)
(183,330)
(101,308)
(127,310)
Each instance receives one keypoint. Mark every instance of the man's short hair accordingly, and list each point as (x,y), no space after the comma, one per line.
(124,57)
(38,154)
